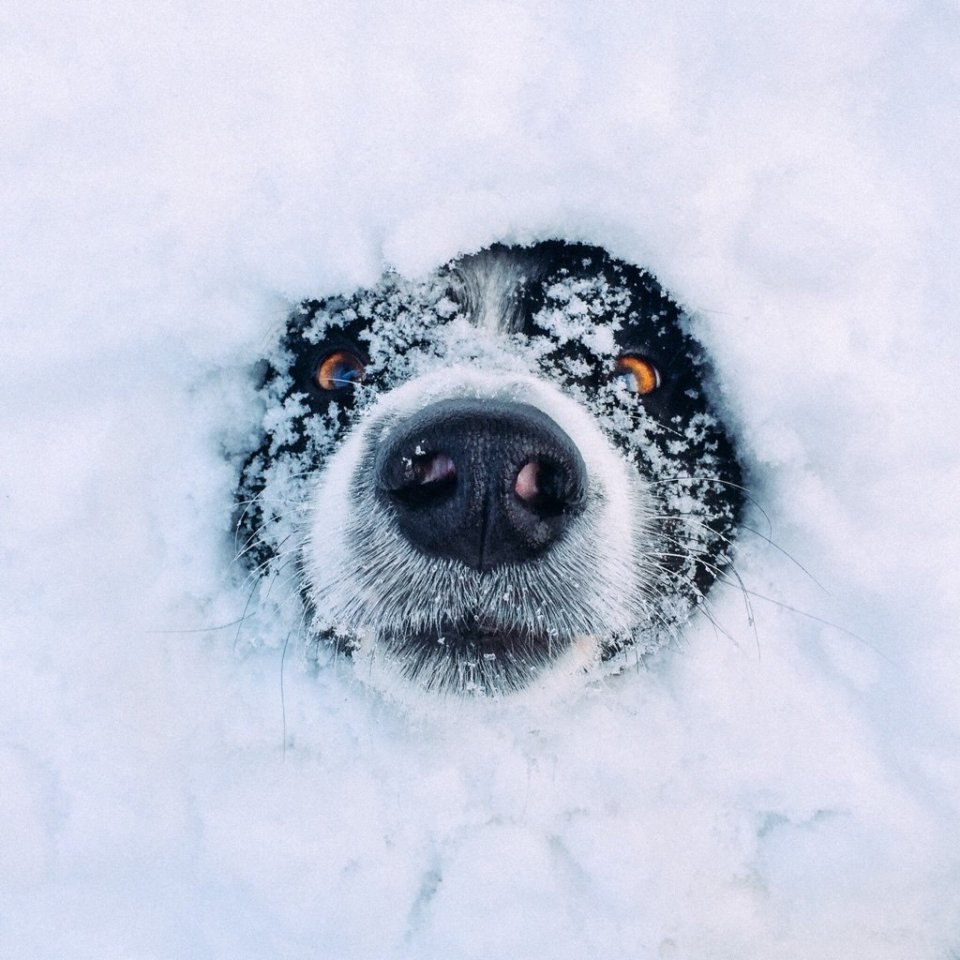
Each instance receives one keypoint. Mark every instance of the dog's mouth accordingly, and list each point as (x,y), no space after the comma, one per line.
(475,654)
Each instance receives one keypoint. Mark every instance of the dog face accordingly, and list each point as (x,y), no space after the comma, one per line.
(509,468)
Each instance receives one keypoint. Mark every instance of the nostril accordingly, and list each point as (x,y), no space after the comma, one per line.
(423,478)
(435,468)
(527,484)
(546,488)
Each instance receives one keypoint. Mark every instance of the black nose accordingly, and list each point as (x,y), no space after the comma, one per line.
(482,482)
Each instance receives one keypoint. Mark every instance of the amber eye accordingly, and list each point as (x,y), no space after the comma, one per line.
(338,370)
(640,375)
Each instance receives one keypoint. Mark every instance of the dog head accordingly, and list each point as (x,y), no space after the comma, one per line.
(508,466)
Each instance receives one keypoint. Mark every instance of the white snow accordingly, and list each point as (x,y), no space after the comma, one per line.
(173,177)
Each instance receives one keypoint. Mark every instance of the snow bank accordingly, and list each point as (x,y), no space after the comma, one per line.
(173,785)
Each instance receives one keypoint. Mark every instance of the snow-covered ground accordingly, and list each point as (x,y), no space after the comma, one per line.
(173,177)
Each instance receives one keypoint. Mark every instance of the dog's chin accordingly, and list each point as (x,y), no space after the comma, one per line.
(475,657)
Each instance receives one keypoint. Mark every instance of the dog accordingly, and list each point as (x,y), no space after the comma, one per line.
(512,467)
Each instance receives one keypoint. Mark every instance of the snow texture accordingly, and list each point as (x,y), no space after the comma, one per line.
(174,177)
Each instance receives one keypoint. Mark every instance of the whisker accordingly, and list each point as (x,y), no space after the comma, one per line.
(730,484)
(210,629)
(812,616)
(301,626)
(776,546)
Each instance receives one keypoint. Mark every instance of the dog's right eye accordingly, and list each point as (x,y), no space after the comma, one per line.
(338,370)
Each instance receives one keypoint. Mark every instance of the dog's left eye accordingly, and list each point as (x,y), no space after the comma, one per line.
(338,370)
(639,374)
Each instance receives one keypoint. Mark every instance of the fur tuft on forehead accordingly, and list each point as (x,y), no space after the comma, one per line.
(489,286)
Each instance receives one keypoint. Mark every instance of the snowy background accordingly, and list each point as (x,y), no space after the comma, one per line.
(172,176)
